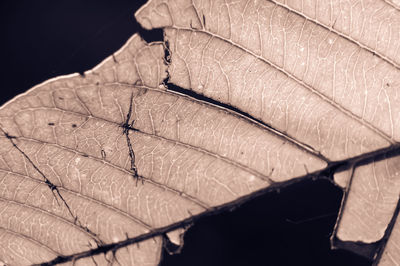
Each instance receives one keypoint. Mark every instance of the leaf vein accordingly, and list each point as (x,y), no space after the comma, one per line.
(363,46)
(302,83)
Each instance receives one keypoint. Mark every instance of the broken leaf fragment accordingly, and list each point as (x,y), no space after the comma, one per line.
(266,57)
(371,201)
(85,155)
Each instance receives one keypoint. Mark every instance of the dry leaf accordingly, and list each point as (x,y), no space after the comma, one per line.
(316,85)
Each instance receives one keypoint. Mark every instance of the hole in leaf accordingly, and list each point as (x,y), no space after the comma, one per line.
(289,227)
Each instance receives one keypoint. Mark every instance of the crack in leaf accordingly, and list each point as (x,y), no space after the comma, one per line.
(54,190)
(51,186)
(313,90)
(163,186)
(126,128)
(321,174)
(128,125)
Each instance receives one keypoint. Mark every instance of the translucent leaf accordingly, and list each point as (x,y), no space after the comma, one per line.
(101,168)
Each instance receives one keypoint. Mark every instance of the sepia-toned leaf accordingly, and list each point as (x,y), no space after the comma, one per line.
(104,167)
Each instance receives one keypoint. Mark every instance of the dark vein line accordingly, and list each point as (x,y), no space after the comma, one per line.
(323,97)
(94,261)
(54,189)
(320,174)
(126,129)
(349,38)
(107,206)
(46,180)
(190,146)
(145,179)
(175,90)
(163,230)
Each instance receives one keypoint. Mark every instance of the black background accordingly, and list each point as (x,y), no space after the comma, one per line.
(44,39)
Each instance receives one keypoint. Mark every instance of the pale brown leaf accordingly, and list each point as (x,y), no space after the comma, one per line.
(90,161)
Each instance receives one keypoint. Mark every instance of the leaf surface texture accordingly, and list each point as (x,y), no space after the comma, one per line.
(91,160)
